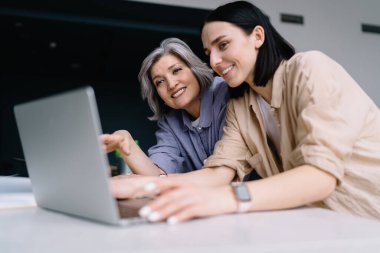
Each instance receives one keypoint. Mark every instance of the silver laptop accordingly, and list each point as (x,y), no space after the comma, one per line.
(65,161)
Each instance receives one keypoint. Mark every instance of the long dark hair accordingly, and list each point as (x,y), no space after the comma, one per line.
(274,49)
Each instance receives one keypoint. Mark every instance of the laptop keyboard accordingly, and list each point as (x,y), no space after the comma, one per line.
(130,207)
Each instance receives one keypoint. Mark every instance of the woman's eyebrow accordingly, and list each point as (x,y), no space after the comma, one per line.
(215,41)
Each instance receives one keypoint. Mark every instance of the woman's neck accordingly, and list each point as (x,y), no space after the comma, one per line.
(265,92)
(195,109)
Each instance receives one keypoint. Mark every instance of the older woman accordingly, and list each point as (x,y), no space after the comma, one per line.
(189,105)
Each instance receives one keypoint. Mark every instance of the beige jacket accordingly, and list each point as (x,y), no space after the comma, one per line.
(326,120)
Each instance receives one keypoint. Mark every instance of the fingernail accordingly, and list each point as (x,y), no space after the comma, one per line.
(172,220)
(154,216)
(150,187)
(145,211)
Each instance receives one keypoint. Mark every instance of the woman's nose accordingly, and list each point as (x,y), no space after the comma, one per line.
(215,59)
(172,82)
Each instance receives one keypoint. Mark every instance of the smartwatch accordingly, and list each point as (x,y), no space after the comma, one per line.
(242,196)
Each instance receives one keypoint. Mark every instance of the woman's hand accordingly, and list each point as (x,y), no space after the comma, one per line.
(131,153)
(131,186)
(179,201)
(120,139)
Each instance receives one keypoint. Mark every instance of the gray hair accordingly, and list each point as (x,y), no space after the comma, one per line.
(181,50)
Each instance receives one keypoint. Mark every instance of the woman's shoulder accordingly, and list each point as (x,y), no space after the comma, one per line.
(219,85)
(243,101)
(308,58)
(171,118)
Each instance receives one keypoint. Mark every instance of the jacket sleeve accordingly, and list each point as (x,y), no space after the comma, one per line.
(231,150)
(329,112)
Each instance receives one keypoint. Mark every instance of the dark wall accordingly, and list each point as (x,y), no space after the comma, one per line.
(52,46)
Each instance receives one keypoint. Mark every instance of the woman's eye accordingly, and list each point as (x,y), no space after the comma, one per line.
(223,45)
(176,70)
(159,82)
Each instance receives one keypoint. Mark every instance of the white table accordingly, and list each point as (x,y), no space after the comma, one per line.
(298,230)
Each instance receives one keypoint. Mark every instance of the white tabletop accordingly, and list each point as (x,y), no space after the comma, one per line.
(298,230)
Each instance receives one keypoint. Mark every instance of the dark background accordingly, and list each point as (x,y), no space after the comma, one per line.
(48,47)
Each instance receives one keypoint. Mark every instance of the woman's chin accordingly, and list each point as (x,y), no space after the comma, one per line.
(233,84)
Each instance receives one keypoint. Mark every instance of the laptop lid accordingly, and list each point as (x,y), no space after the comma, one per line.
(65,161)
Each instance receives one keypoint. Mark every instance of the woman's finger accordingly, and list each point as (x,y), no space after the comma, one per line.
(167,205)
(109,142)
(125,147)
(184,202)
(183,215)
(123,139)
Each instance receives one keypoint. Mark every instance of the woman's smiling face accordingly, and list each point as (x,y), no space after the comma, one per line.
(232,51)
(176,84)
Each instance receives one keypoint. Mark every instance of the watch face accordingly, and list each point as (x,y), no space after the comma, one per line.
(242,192)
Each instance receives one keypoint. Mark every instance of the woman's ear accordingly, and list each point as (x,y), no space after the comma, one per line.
(259,36)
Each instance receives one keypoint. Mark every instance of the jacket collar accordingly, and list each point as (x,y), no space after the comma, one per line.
(278,85)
